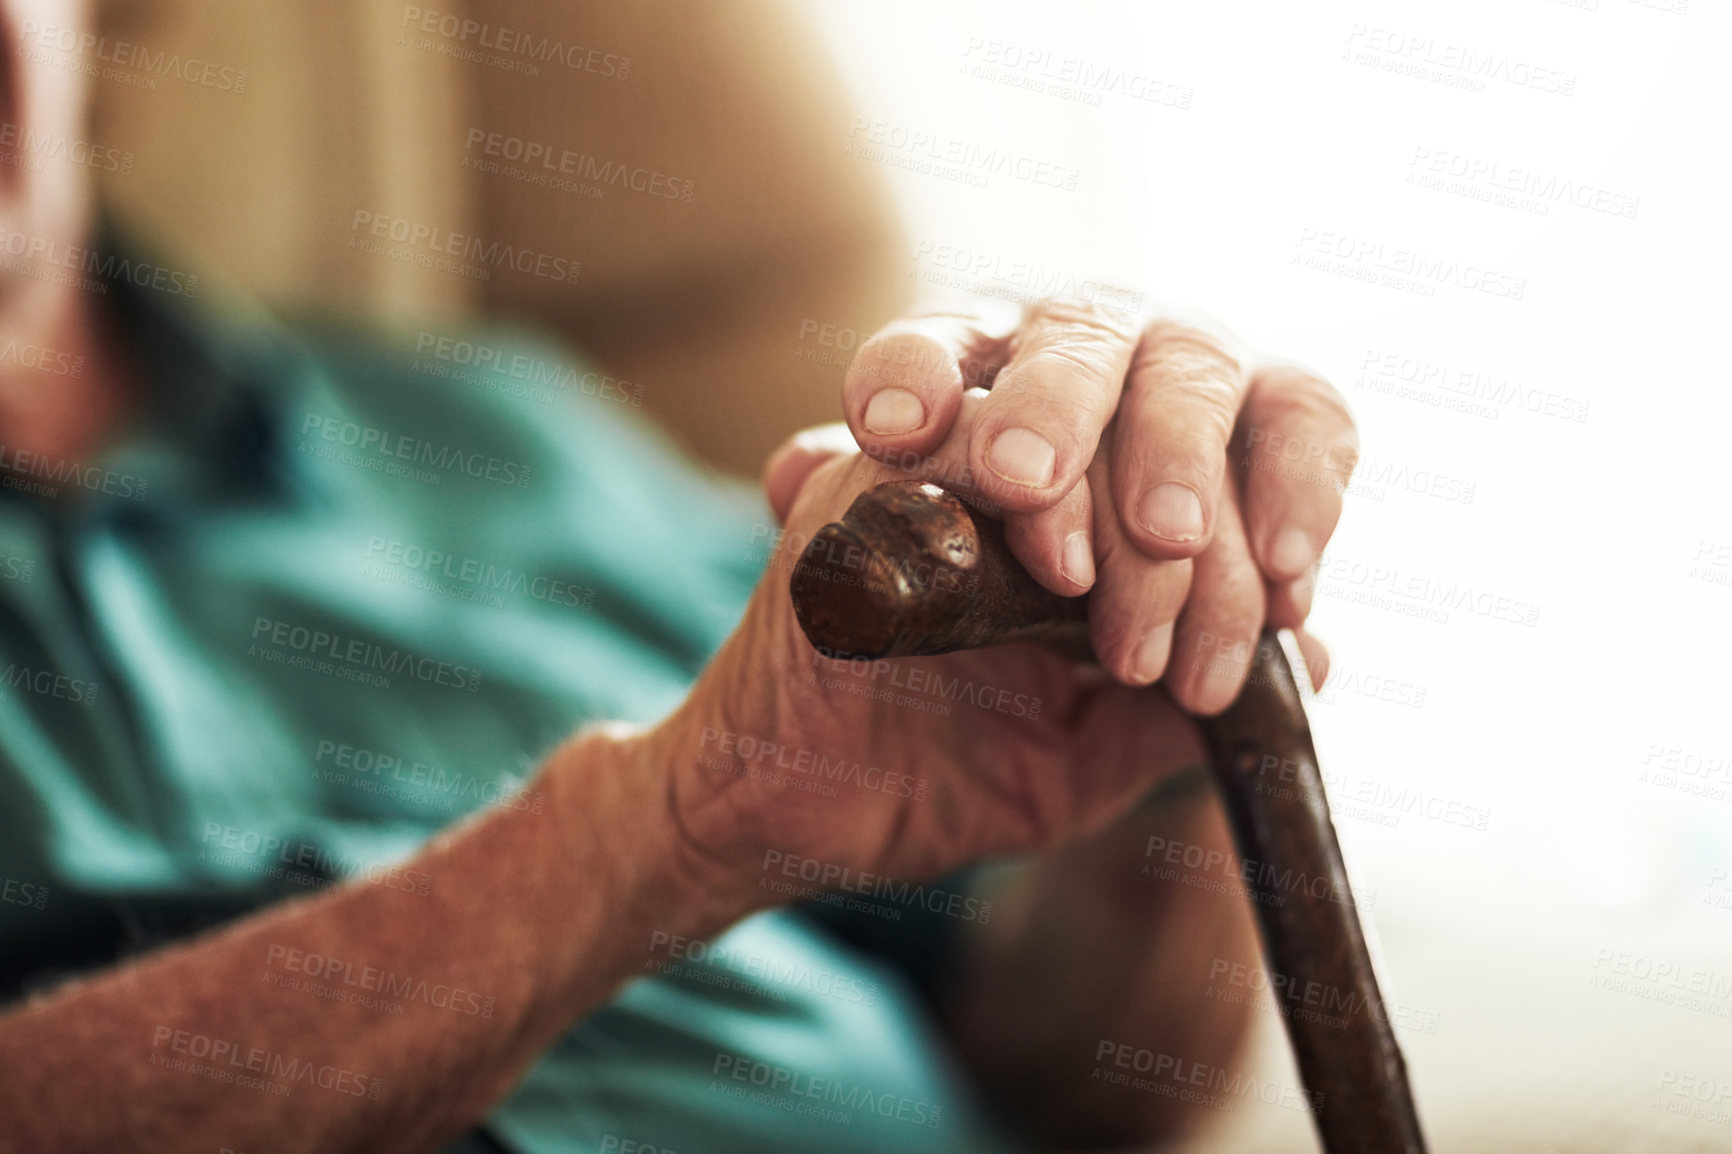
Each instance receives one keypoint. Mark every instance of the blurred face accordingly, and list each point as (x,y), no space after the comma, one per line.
(45,212)
(46,209)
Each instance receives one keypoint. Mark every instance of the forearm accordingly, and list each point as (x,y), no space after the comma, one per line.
(530,920)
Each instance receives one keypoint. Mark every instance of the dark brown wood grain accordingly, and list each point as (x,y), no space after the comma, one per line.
(911,570)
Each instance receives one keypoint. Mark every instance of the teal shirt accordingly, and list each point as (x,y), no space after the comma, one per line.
(338,592)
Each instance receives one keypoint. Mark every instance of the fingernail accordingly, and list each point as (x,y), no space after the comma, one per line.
(1300,592)
(1151,656)
(1292,552)
(1173,511)
(894,410)
(1022,457)
(1078,559)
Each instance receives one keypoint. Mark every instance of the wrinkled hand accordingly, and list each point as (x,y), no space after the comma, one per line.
(781,757)
(1192,491)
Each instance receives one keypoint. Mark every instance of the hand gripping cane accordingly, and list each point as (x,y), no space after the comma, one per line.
(911,570)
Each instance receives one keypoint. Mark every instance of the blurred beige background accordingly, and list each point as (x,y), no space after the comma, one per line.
(701,303)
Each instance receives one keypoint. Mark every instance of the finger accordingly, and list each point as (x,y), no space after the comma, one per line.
(1169,447)
(1135,599)
(1053,544)
(947,463)
(1217,631)
(1290,601)
(1043,419)
(1056,545)
(788,467)
(1316,656)
(903,388)
(1296,446)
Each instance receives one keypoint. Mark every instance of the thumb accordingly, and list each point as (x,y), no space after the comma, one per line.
(786,469)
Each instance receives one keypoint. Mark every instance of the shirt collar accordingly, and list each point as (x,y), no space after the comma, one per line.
(208,427)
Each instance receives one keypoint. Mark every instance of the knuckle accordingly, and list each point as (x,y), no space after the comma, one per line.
(1346,460)
(1300,419)
(1191,368)
(1061,373)
(1189,346)
(902,357)
(1331,403)
(1086,317)
(1288,388)
(1209,408)
(1193,374)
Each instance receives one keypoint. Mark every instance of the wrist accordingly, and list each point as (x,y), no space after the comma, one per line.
(635,872)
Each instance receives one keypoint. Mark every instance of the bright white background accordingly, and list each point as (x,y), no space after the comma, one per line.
(1616,527)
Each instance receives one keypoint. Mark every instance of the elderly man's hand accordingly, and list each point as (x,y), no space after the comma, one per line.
(1152,460)
(784,760)
(788,768)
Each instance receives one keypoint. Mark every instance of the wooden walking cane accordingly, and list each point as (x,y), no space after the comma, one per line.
(911,570)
